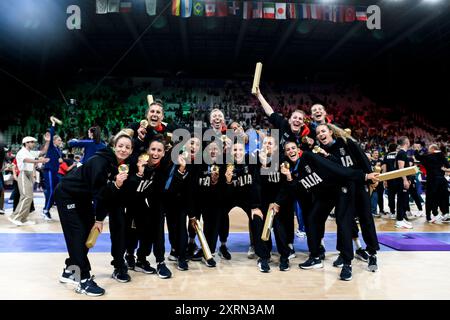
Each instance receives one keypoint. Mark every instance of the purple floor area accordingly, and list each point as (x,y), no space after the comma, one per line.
(237,242)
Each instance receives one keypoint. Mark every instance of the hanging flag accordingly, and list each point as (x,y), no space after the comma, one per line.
(257,10)
(125,7)
(222,8)
(113,6)
(210,8)
(198,8)
(101,6)
(176,7)
(306,11)
(292,11)
(280,10)
(150,6)
(350,13)
(316,12)
(327,12)
(268,10)
(185,8)
(247,10)
(361,13)
(235,8)
(338,14)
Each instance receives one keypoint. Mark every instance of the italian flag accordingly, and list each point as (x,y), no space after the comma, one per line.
(269,10)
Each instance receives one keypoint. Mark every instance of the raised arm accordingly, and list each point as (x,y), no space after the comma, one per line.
(266,106)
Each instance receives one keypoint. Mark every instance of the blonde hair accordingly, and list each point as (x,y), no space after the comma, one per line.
(338,132)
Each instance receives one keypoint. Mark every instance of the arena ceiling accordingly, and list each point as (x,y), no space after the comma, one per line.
(411,32)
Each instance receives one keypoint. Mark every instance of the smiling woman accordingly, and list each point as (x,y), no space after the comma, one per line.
(83,199)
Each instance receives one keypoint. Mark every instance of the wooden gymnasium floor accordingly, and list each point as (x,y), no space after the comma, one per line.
(33,270)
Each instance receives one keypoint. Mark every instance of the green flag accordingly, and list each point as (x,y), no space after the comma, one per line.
(198,8)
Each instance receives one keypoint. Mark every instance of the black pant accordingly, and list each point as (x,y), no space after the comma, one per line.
(402,202)
(211,219)
(149,221)
(117,228)
(415,195)
(224,224)
(77,219)
(392,191)
(436,197)
(177,225)
(131,237)
(264,248)
(362,211)
(380,191)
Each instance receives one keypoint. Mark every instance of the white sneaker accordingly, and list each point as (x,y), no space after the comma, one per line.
(28,223)
(403,225)
(445,218)
(16,222)
(437,219)
(300,234)
(251,252)
(393,216)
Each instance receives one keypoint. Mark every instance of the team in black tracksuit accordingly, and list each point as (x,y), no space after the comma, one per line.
(349,154)
(313,183)
(379,189)
(437,186)
(83,198)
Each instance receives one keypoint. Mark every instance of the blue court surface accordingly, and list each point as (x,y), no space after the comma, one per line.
(237,242)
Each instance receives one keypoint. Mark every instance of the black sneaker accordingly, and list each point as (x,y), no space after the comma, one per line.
(144,266)
(198,255)
(311,263)
(211,263)
(191,249)
(284,264)
(68,277)
(339,262)
(121,275)
(346,272)
(173,256)
(322,252)
(131,261)
(362,255)
(90,288)
(2,211)
(163,271)
(182,265)
(373,266)
(224,253)
(263,265)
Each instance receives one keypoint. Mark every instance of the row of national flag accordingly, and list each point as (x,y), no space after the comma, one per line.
(118,6)
(267,10)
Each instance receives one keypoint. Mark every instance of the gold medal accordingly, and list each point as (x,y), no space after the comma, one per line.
(215,168)
(286,164)
(144,123)
(123,168)
(144,157)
